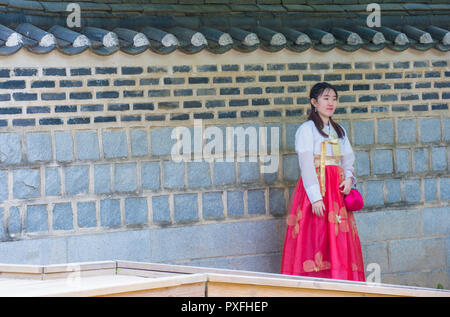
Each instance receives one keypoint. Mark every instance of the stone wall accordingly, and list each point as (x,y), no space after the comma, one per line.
(87,173)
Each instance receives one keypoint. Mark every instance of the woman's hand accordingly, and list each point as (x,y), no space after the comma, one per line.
(318,208)
(346,186)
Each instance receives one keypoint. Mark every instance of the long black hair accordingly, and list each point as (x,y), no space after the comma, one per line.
(315,92)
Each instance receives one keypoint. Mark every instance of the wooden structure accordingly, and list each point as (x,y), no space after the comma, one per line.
(123,278)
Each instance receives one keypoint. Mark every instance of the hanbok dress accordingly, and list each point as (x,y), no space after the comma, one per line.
(326,246)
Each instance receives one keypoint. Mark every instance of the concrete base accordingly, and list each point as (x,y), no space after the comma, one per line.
(408,247)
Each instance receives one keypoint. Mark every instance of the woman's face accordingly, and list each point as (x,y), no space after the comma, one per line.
(325,104)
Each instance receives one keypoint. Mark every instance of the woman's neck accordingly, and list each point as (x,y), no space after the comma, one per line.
(325,120)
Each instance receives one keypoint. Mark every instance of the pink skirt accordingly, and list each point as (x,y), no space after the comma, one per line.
(326,246)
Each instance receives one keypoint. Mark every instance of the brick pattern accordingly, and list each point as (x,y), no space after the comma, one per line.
(88,148)
(108,178)
(83,96)
(415,253)
(408,163)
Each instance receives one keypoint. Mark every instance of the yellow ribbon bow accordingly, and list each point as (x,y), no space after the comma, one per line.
(323,152)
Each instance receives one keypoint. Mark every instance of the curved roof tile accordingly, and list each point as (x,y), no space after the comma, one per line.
(109,26)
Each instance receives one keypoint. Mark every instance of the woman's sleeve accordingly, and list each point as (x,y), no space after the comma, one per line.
(304,146)
(348,160)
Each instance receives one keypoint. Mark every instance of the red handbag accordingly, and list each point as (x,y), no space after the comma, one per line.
(353,200)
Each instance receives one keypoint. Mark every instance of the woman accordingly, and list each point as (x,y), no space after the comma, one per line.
(321,235)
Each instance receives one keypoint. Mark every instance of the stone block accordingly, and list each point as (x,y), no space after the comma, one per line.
(161,209)
(270,178)
(129,245)
(409,278)
(406,131)
(447,243)
(198,174)
(212,205)
(248,172)
(230,239)
(346,125)
(412,190)
(161,141)
(26,183)
(430,189)
(224,173)
(385,132)
(139,143)
(376,252)
(40,251)
(235,203)
(291,170)
(173,174)
(86,214)
(290,129)
(439,159)
(125,177)
(10,148)
(62,216)
(216,142)
(388,225)
(374,193)
(274,139)
(359,187)
(136,210)
(256,202)
(430,130)
(244,137)
(63,146)
(36,218)
(393,190)
(268,263)
(185,207)
(87,145)
(14,221)
(436,221)
(421,160)
(77,179)
(277,202)
(409,255)
(4,192)
(102,179)
(39,147)
(402,164)
(447,129)
(52,182)
(115,144)
(110,213)
(2,228)
(150,175)
(382,162)
(363,132)
(444,185)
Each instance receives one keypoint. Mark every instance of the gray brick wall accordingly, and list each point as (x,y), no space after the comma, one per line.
(85,159)
(409,244)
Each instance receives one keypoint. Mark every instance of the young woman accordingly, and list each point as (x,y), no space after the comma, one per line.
(321,236)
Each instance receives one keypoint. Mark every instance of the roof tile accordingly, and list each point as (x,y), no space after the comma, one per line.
(295,24)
